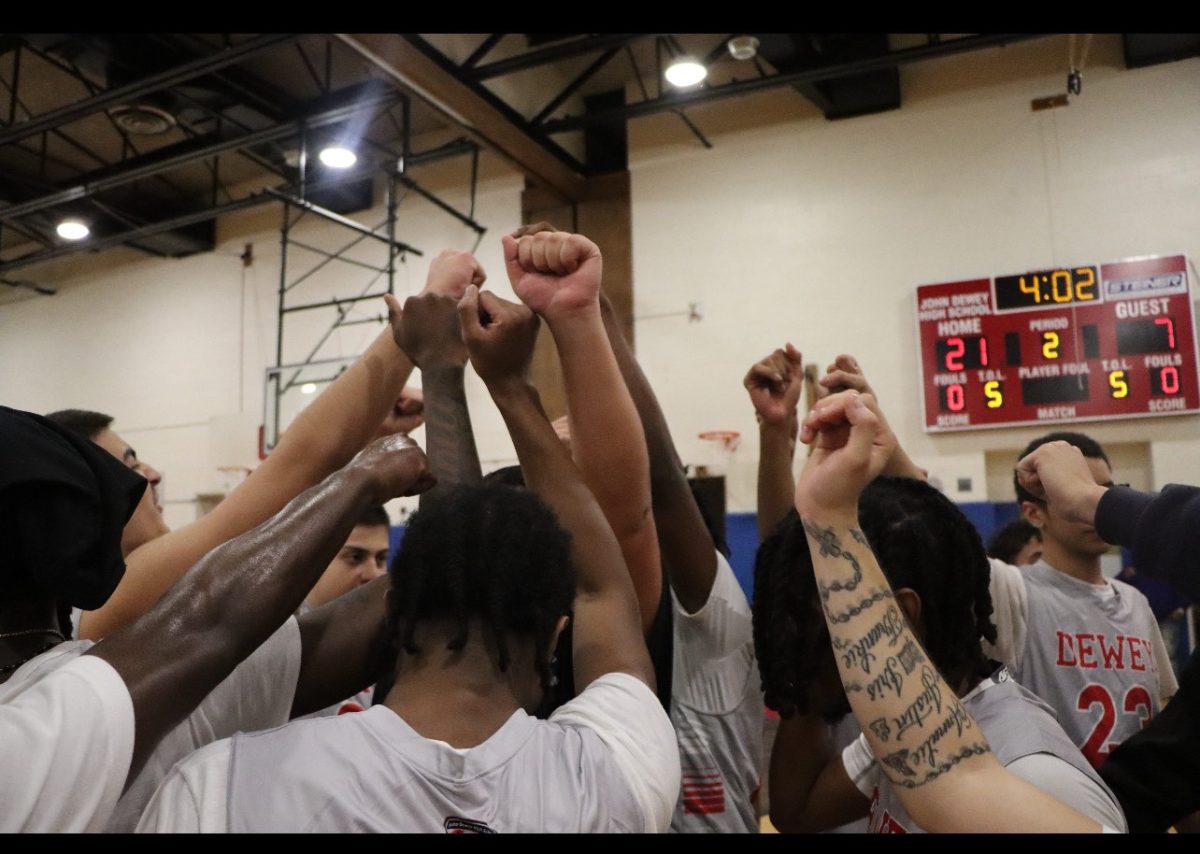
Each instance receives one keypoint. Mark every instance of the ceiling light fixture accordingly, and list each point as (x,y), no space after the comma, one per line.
(684,72)
(308,388)
(338,157)
(72,229)
(743,47)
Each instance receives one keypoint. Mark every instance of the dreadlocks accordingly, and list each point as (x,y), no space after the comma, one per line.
(489,552)
(922,542)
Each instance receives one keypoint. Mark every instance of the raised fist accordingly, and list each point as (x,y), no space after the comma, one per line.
(555,273)
(427,330)
(774,384)
(397,466)
(842,374)
(851,447)
(499,335)
(450,273)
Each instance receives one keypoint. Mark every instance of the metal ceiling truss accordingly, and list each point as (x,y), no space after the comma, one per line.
(221,133)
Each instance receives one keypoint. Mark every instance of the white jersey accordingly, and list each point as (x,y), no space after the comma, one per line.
(717,710)
(605,761)
(66,741)
(258,694)
(1093,652)
(1025,738)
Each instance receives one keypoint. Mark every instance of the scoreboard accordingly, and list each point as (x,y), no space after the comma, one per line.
(1096,341)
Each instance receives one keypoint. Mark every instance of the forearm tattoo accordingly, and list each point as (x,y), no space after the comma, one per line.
(922,723)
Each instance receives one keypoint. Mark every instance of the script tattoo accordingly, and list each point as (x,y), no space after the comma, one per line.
(906,763)
(927,703)
(889,677)
(860,651)
(880,727)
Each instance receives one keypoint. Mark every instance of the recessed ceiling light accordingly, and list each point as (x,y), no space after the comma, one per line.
(685,72)
(308,388)
(72,229)
(338,157)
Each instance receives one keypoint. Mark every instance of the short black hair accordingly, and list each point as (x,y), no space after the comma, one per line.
(923,542)
(1008,541)
(82,421)
(489,552)
(507,475)
(1089,446)
(374,517)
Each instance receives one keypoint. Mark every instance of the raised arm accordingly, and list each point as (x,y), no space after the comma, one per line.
(322,439)
(607,630)
(843,374)
(943,770)
(428,331)
(774,384)
(243,590)
(558,276)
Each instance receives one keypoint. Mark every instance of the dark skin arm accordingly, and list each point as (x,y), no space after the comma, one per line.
(686,545)
(344,642)
(810,790)
(607,632)
(428,331)
(240,592)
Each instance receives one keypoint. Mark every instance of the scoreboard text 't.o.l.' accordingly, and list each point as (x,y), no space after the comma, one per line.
(1079,343)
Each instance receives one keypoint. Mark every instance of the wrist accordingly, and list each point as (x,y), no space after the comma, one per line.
(569,319)
(363,483)
(825,515)
(511,391)
(1083,506)
(441,371)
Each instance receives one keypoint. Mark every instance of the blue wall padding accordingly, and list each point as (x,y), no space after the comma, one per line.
(741,533)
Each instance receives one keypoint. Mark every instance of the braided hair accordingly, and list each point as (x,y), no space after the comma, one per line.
(922,541)
(487,552)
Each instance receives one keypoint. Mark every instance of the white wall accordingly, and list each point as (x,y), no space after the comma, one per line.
(792,227)
(819,232)
(176,350)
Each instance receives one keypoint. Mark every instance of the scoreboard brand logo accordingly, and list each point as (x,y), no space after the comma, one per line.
(1169,283)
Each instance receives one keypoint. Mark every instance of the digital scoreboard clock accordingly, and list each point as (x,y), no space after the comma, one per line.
(1079,343)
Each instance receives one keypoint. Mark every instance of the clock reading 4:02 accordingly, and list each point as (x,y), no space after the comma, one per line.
(1047,288)
(1078,343)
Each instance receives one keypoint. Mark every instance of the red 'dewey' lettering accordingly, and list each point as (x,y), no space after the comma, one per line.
(1090,651)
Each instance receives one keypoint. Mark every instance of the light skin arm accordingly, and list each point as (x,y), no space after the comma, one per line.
(810,790)
(364,402)
(239,593)
(1058,473)
(774,384)
(607,634)
(558,276)
(926,742)
(683,537)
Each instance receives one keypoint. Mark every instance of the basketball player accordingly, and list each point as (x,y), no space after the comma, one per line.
(1088,646)
(475,613)
(935,770)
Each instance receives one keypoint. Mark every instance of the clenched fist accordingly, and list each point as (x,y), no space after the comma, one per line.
(555,273)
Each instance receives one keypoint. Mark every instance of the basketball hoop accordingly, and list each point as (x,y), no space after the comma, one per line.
(729,439)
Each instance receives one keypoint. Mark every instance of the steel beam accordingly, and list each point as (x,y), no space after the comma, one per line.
(163,80)
(805,75)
